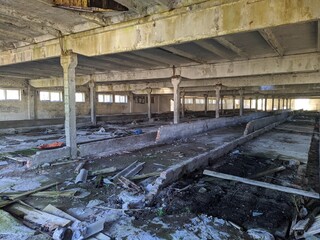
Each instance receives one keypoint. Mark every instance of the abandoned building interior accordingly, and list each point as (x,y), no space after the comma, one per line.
(159,119)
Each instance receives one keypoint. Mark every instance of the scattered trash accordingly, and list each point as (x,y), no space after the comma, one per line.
(129,171)
(3,163)
(101,131)
(129,185)
(51,145)
(131,201)
(94,203)
(256,214)
(137,131)
(82,176)
(202,190)
(260,234)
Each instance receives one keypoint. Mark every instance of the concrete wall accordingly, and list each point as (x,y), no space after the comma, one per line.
(172,132)
(15,109)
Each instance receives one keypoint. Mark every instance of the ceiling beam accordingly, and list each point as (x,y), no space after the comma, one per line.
(224,42)
(172,27)
(30,19)
(271,39)
(213,49)
(133,5)
(15,35)
(184,54)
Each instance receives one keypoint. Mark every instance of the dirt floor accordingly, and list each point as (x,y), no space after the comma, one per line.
(196,206)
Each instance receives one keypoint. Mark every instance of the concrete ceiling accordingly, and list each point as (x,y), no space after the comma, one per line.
(36,21)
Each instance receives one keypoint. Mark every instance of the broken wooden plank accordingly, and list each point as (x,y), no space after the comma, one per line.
(129,171)
(143,176)
(54,194)
(56,211)
(103,171)
(38,217)
(129,184)
(270,171)
(262,184)
(15,197)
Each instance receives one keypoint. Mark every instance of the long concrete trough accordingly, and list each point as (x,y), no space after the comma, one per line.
(176,171)
(173,132)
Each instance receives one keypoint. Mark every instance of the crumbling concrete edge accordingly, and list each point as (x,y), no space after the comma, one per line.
(169,133)
(176,171)
(257,124)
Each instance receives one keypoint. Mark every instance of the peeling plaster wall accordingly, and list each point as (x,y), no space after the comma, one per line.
(14,109)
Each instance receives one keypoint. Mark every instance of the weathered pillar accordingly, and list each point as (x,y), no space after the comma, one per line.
(205,104)
(279,100)
(149,90)
(234,104)
(256,106)
(282,103)
(272,103)
(222,109)
(217,88)
(241,102)
(130,102)
(265,103)
(183,104)
(250,103)
(261,104)
(175,80)
(32,102)
(69,62)
(287,103)
(93,102)
(290,103)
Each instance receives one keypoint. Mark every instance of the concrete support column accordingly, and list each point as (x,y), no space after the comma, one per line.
(290,103)
(183,104)
(265,103)
(175,80)
(93,103)
(69,62)
(250,103)
(256,104)
(32,102)
(287,103)
(222,108)
(279,99)
(130,102)
(149,90)
(272,103)
(218,88)
(282,103)
(261,104)
(241,102)
(205,104)
(234,103)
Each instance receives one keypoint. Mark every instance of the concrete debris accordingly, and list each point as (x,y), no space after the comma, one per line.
(202,190)
(103,171)
(10,228)
(120,133)
(101,131)
(131,201)
(82,176)
(94,203)
(100,236)
(62,233)
(3,163)
(38,217)
(256,214)
(56,194)
(260,234)
(79,167)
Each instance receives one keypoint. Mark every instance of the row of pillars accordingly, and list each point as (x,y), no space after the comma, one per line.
(69,62)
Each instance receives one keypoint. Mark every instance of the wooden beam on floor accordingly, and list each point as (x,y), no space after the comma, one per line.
(262,184)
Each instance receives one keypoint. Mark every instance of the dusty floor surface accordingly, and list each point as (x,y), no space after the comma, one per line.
(196,206)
